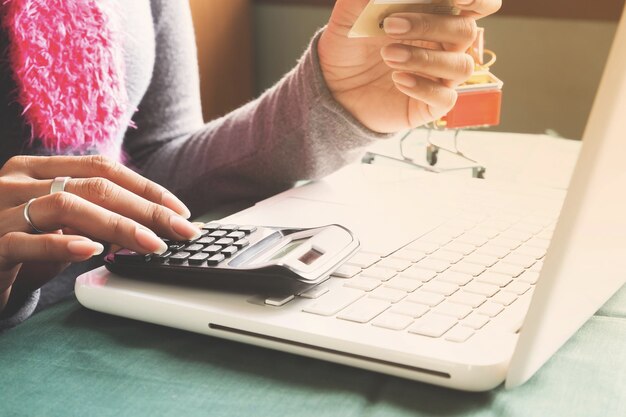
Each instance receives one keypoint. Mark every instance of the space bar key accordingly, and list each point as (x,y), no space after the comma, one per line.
(334,301)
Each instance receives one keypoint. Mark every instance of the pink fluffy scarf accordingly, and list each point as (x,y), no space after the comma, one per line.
(67,61)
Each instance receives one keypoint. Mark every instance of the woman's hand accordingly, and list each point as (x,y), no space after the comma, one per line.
(407,78)
(103,202)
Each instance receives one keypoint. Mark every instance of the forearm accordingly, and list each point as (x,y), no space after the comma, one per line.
(294,131)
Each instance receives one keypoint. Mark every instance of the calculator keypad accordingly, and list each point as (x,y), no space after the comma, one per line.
(217,243)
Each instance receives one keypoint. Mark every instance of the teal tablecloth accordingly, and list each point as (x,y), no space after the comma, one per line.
(69,361)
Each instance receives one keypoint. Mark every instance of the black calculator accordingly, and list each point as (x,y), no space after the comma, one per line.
(259,255)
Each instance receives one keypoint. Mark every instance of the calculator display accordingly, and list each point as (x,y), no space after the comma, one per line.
(310,257)
(288,249)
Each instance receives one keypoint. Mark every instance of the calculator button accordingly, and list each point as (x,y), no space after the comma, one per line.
(174,246)
(194,247)
(215,259)
(218,233)
(225,241)
(213,249)
(229,227)
(198,258)
(206,241)
(161,258)
(129,257)
(179,258)
(247,229)
(241,243)
(236,235)
(211,226)
(229,251)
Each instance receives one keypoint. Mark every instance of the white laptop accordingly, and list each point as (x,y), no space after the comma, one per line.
(456,283)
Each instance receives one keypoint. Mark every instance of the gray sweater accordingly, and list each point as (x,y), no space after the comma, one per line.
(294,131)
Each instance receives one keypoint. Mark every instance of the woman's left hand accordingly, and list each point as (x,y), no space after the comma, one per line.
(407,78)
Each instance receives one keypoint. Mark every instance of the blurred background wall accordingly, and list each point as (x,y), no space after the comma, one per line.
(551,58)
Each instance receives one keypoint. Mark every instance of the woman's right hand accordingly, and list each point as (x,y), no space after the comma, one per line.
(103,202)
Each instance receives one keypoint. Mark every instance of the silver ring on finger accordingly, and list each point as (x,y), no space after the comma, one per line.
(58,184)
(27,217)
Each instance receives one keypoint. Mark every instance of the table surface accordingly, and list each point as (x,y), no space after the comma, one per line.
(68,361)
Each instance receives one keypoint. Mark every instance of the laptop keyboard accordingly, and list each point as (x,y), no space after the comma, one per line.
(448,284)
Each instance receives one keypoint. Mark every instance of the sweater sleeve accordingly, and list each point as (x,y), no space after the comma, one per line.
(294,131)
(18,311)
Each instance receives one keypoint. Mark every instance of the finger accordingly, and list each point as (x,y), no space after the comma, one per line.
(18,189)
(453,66)
(111,196)
(458,32)
(46,168)
(478,8)
(438,99)
(65,210)
(17,248)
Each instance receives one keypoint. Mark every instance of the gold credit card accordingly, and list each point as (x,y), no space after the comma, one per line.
(370,21)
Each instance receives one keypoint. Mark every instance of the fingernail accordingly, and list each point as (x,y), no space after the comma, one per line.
(85,248)
(395,53)
(464,2)
(184,228)
(149,241)
(396,25)
(404,79)
(171,201)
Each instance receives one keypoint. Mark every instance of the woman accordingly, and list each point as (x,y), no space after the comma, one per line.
(85,77)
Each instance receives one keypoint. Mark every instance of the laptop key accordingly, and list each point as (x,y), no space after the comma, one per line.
(504,298)
(427,298)
(447,256)
(432,325)
(433,265)
(279,300)
(363,260)
(403,284)
(529,277)
(468,268)
(409,255)
(364,310)
(381,274)
(518,287)
(464,297)
(420,274)
(489,277)
(490,309)
(392,321)
(396,264)
(507,269)
(448,308)
(388,294)
(346,271)
(332,302)
(314,293)
(410,309)
(362,283)
(454,277)
(475,321)
(425,247)
(438,287)
(459,334)
(481,288)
